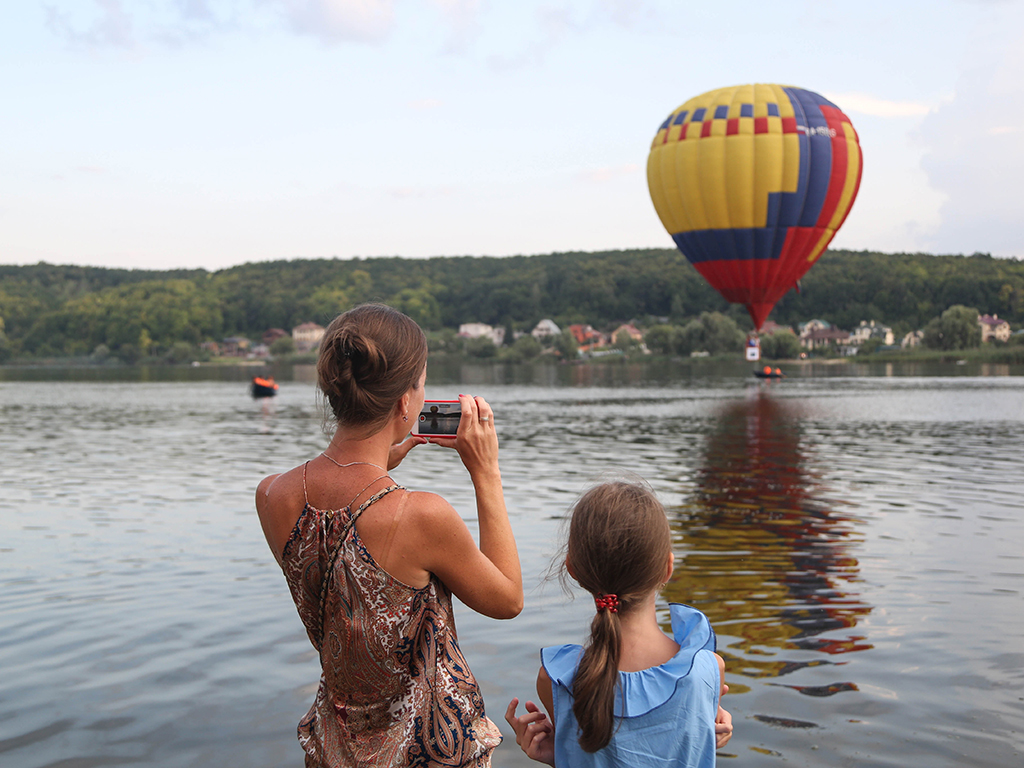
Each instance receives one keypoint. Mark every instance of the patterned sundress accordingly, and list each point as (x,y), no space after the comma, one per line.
(395,689)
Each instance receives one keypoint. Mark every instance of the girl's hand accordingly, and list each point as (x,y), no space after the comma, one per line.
(399,451)
(723,728)
(535,734)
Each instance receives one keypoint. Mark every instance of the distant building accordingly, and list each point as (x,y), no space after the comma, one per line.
(273,334)
(234,346)
(307,336)
(770,327)
(993,328)
(587,338)
(482,330)
(634,333)
(824,338)
(912,339)
(545,329)
(869,329)
(813,325)
(259,350)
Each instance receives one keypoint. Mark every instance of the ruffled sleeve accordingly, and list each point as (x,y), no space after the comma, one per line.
(560,662)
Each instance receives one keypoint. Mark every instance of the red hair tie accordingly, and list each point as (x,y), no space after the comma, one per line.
(607,602)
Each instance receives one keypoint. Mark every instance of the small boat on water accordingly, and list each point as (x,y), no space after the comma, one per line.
(264,386)
(768,373)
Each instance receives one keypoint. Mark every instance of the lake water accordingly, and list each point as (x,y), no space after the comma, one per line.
(855,534)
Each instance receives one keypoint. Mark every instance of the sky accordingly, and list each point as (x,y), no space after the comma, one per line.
(207,133)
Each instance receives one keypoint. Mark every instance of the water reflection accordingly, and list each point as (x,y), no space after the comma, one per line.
(764,553)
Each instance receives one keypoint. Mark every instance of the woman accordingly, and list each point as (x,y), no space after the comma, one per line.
(372,566)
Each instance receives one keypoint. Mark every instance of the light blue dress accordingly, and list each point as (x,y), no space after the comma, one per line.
(665,715)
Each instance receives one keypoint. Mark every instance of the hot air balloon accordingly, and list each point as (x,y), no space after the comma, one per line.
(753,182)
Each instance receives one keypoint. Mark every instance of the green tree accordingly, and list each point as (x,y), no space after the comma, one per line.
(781,345)
(100,354)
(712,332)
(690,338)
(566,346)
(180,352)
(445,340)
(721,334)
(625,342)
(420,305)
(5,344)
(282,346)
(956,328)
(870,346)
(481,346)
(661,338)
(524,348)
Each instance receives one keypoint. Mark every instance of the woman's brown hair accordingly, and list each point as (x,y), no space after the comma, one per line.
(369,357)
(618,544)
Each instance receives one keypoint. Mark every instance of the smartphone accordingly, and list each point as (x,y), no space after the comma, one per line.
(439,418)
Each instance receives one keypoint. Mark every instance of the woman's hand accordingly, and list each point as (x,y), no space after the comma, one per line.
(399,451)
(723,728)
(476,441)
(535,734)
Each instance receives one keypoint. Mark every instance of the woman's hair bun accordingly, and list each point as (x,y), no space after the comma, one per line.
(369,357)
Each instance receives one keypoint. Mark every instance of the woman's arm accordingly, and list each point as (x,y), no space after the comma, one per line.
(487,577)
(444,546)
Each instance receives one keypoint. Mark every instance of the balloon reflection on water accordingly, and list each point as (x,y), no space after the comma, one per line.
(763,553)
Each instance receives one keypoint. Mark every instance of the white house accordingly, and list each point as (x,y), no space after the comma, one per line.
(477,330)
(307,336)
(912,339)
(869,329)
(544,329)
(993,328)
(811,326)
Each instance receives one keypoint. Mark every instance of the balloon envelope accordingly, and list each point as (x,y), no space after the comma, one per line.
(753,182)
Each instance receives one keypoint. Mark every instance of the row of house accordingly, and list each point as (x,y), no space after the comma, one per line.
(587,338)
(306,337)
(814,334)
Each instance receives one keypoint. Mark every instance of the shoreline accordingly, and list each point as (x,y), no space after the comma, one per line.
(1012,355)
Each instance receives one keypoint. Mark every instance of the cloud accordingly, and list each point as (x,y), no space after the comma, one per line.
(108,23)
(463,18)
(627,13)
(866,104)
(554,24)
(112,28)
(973,151)
(606,173)
(335,21)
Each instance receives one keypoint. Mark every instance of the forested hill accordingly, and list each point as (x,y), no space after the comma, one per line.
(55,310)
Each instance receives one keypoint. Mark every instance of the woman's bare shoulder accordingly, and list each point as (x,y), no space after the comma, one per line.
(429,507)
(280,490)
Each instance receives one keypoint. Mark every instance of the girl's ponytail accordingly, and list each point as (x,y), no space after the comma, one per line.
(618,547)
(593,688)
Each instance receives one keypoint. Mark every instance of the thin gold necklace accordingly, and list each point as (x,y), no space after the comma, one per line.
(351,463)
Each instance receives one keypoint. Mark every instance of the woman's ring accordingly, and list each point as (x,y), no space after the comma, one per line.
(485,418)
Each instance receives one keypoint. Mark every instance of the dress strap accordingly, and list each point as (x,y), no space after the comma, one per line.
(328,573)
(391,531)
(305,496)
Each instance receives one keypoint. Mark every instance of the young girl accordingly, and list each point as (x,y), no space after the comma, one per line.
(634,696)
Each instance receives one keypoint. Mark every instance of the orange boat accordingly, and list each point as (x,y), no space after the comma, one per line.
(264,387)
